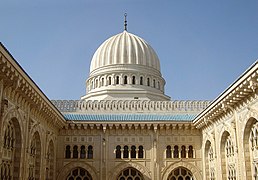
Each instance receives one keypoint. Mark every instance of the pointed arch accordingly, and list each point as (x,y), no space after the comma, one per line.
(12,120)
(249,140)
(50,163)
(227,155)
(12,143)
(209,153)
(35,157)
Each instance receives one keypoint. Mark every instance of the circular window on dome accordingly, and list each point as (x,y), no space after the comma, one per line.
(130,174)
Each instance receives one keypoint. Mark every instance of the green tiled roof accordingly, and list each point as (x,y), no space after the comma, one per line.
(129,117)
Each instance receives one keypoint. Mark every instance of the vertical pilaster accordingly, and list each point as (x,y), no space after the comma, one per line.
(25,147)
(155,158)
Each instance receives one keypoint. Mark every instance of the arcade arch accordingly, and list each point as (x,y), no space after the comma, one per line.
(250,143)
(12,143)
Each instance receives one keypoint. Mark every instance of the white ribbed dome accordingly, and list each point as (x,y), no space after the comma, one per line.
(125,48)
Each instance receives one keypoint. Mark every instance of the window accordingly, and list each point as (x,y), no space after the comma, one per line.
(133,80)
(190,152)
(148,81)
(133,152)
(130,174)
(176,152)
(92,85)
(118,152)
(90,152)
(75,151)
(79,174)
(117,80)
(141,80)
(126,152)
(109,80)
(35,157)
(11,149)
(129,153)
(125,79)
(158,85)
(154,83)
(140,153)
(97,83)
(180,174)
(102,81)
(83,152)
(229,155)
(183,152)
(168,152)
(68,152)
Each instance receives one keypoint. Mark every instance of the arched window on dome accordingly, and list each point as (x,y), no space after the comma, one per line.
(158,85)
(117,79)
(97,83)
(133,80)
(148,81)
(118,152)
(125,79)
(141,80)
(92,85)
(102,81)
(168,152)
(109,80)
(154,83)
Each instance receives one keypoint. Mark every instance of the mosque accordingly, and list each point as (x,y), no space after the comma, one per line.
(125,127)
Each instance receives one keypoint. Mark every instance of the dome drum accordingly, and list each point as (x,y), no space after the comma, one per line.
(126,79)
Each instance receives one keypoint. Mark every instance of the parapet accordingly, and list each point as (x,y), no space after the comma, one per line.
(130,106)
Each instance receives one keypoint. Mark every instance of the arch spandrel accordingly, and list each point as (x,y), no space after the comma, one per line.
(13,113)
(196,172)
(119,168)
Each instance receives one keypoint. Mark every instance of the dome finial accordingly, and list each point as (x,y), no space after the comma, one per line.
(125,22)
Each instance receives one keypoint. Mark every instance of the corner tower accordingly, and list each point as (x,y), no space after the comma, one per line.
(125,67)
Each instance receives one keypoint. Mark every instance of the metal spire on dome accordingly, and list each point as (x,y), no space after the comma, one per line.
(125,22)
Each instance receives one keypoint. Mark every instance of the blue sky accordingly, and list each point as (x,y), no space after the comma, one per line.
(203,45)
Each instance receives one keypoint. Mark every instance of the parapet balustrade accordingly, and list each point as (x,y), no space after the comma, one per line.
(129,105)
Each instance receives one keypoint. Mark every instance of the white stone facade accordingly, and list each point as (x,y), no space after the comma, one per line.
(107,136)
